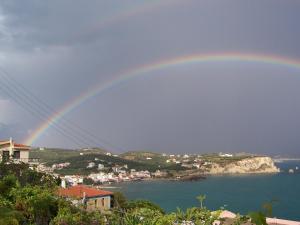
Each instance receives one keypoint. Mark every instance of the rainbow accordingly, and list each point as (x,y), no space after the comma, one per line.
(148,69)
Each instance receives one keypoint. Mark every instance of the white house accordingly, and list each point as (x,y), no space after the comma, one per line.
(225,155)
(9,150)
(91,165)
(100,166)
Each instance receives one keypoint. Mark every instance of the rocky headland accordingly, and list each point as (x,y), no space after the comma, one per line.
(259,164)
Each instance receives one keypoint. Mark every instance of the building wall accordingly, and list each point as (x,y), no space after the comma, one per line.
(9,146)
(5,146)
(100,203)
(24,156)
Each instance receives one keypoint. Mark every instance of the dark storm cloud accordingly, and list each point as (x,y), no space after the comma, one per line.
(38,24)
(58,49)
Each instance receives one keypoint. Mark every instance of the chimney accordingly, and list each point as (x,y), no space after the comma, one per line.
(11,146)
(83,199)
(63,183)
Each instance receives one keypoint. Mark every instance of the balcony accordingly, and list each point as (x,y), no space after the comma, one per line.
(26,160)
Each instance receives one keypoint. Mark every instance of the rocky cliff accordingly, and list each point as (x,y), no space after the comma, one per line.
(248,165)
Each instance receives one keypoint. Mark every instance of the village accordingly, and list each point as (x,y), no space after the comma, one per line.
(103,172)
(119,173)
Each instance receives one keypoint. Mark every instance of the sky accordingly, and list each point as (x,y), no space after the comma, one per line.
(53,51)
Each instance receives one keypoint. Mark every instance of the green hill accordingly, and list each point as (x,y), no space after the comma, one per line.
(79,159)
(145,157)
(52,155)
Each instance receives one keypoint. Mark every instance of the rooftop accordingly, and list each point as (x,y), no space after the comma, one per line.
(21,146)
(15,145)
(81,191)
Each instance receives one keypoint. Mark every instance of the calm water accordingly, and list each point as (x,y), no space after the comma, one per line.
(237,193)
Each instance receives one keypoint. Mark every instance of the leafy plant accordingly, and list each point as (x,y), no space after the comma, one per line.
(258,218)
(201,199)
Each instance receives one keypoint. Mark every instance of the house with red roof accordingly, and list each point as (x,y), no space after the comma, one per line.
(90,198)
(9,150)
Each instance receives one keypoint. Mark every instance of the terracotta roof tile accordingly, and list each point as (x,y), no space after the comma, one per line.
(80,190)
(21,146)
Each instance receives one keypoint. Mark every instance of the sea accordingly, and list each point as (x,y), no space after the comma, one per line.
(237,193)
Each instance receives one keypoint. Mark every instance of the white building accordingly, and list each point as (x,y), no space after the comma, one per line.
(91,165)
(60,166)
(100,166)
(72,180)
(225,155)
(9,150)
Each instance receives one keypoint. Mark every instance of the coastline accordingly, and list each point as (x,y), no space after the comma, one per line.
(203,178)
(238,192)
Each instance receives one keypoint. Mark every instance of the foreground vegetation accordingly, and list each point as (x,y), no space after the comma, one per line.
(29,197)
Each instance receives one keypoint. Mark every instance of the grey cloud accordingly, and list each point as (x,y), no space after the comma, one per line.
(59,49)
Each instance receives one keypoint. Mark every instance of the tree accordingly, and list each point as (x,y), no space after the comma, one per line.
(9,216)
(37,204)
(119,200)
(67,217)
(88,181)
(201,199)
(257,218)
(144,204)
(268,207)
(26,176)
(6,185)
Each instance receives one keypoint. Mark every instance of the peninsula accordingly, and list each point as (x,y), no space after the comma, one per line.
(97,166)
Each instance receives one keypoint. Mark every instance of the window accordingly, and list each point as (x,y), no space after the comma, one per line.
(5,156)
(16,155)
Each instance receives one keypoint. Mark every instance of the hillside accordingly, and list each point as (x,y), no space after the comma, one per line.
(145,157)
(79,160)
(178,165)
(259,164)
(51,155)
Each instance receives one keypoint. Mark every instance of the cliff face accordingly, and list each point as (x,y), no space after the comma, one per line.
(249,165)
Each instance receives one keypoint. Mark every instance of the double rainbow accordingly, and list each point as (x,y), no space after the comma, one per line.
(148,69)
